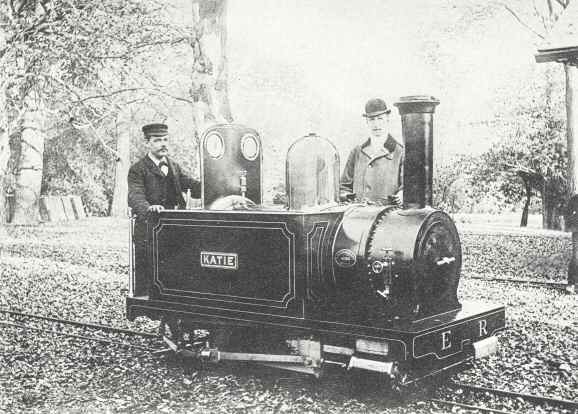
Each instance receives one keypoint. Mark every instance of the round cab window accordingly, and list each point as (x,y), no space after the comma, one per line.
(214,145)
(250,147)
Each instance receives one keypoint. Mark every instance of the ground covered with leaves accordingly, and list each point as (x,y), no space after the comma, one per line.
(79,271)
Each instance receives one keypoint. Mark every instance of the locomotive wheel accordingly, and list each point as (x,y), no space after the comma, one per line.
(181,334)
(248,339)
(169,328)
(363,383)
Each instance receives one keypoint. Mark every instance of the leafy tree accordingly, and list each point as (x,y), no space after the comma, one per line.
(72,60)
(532,159)
(452,183)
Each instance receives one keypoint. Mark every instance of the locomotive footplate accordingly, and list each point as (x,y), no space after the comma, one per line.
(425,346)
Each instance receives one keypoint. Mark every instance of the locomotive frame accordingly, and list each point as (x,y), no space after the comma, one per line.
(362,287)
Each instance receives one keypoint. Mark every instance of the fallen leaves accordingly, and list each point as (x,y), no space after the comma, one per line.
(79,272)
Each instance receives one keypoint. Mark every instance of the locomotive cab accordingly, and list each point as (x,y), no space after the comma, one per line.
(369,287)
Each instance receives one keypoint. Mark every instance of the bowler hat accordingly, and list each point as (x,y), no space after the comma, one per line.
(375,107)
(155,130)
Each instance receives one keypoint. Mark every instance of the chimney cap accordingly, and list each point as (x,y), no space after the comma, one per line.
(416,104)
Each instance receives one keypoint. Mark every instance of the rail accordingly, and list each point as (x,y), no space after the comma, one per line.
(104,328)
(536,399)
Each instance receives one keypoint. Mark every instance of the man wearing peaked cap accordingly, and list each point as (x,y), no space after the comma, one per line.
(155,130)
(374,169)
(155,183)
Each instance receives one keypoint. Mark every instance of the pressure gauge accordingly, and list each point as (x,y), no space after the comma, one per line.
(250,147)
(214,145)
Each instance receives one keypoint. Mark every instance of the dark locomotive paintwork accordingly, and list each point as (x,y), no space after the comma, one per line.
(289,263)
(280,259)
(329,274)
(417,129)
(417,342)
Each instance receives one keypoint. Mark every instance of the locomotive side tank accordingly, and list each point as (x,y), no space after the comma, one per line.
(369,287)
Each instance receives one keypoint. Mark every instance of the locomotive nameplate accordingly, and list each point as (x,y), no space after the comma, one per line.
(220,260)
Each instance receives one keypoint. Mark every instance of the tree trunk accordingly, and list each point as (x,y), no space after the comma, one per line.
(526,209)
(4,141)
(209,86)
(120,194)
(551,209)
(572,125)
(29,170)
(4,156)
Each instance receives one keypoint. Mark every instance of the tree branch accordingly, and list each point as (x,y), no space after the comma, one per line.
(89,125)
(108,95)
(562,3)
(550,8)
(513,13)
(540,16)
(157,91)
(521,169)
(177,98)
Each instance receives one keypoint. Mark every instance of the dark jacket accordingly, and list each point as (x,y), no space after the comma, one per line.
(374,178)
(146,186)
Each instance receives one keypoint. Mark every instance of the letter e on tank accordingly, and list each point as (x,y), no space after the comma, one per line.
(446,340)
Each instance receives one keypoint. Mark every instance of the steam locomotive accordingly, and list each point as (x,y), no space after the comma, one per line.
(315,282)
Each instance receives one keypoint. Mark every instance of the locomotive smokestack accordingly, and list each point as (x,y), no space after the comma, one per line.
(417,129)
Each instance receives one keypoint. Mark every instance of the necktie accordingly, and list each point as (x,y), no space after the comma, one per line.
(164,166)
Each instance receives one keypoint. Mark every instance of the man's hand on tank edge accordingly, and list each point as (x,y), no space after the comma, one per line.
(155,208)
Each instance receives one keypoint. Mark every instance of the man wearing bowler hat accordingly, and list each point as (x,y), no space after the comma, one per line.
(374,169)
(155,183)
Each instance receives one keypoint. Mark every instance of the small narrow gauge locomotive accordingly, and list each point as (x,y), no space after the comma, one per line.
(316,282)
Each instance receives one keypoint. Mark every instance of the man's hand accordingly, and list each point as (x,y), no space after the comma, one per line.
(155,208)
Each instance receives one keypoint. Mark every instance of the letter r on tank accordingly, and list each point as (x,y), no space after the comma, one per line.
(446,340)
(483,327)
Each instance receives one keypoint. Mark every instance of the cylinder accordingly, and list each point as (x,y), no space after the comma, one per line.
(417,130)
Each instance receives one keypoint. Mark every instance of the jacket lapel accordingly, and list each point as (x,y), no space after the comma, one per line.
(176,180)
(152,166)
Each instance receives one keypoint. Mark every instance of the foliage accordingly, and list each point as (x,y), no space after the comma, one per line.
(451,184)
(82,64)
(74,164)
(531,159)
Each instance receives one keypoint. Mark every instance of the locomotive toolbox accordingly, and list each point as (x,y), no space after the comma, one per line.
(315,282)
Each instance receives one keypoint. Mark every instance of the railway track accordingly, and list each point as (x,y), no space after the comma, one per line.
(540,400)
(82,325)
(533,282)
(105,328)
(474,408)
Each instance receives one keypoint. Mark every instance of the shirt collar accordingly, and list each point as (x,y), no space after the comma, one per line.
(155,160)
(384,151)
(368,141)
